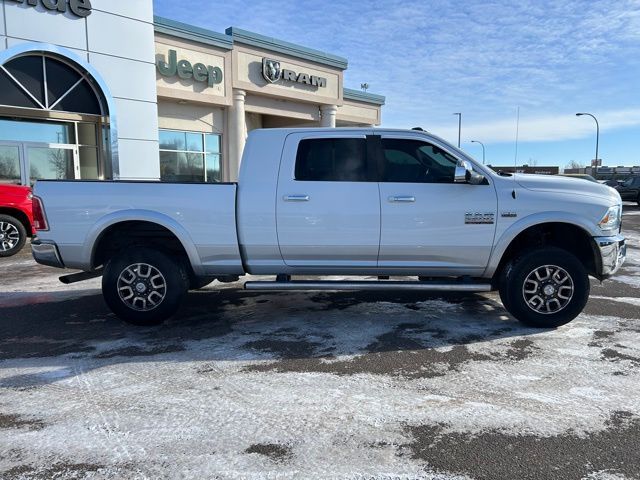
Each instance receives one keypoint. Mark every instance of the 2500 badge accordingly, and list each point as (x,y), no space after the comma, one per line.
(479,218)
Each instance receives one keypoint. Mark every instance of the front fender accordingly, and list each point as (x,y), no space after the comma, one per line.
(103,223)
(505,239)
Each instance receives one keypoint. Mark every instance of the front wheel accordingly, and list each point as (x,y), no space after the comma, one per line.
(13,235)
(144,286)
(545,288)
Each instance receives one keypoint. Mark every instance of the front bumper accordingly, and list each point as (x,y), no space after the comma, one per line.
(613,251)
(46,253)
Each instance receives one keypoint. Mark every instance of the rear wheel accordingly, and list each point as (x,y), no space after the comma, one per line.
(545,288)
(144,286)
(13,235)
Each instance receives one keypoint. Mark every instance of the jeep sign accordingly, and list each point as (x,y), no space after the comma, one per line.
(80,8)
(185,70)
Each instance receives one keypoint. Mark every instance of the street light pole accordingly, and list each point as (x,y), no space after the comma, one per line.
(595,172)
(476,141)
(459,126)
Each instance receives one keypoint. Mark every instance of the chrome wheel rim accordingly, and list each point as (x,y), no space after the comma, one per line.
(9,236)
(548,289)
(142,287)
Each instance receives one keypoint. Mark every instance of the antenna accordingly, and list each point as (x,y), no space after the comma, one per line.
(515,160)
(517,133)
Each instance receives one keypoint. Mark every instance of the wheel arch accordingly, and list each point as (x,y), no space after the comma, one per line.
(148,228)
(20,216)
(574,237)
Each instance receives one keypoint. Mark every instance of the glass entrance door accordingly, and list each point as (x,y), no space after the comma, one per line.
(11,163)
(47,150)
(51,162)
(24,163)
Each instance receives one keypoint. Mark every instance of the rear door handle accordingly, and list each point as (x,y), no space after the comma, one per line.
(296,198)
(402,199)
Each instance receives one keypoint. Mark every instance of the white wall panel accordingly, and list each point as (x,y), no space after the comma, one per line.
(136,9)
(126,78)
(120,36)
(2,32)
(136,120)
(12,42)
(139,160)
(40,25)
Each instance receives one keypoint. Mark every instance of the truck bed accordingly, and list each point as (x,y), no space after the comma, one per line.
(202,216)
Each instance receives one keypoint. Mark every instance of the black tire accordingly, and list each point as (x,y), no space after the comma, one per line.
(502,287)
(545,287)
(197,283)
(13,235)
(131,286)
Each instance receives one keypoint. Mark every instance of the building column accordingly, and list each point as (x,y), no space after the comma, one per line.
(237,134)
(328,115)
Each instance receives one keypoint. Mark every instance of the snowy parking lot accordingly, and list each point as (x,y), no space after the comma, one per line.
(317,385)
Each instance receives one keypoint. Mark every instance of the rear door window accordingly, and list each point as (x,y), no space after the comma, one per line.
(331,160)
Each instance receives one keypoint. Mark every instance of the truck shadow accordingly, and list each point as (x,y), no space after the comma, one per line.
(341,333)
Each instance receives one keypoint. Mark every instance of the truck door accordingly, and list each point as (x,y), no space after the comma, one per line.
(429,222)
(328,204)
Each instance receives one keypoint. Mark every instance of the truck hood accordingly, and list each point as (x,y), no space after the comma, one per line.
(576,186)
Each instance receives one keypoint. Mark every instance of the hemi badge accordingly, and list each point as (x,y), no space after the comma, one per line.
(508,214)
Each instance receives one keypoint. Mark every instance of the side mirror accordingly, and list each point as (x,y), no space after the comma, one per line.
(464,174)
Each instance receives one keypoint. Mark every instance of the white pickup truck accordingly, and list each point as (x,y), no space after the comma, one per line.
(370,203)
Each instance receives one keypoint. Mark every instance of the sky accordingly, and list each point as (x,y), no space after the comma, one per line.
(486,59)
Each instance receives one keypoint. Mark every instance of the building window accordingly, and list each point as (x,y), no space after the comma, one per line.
(190,157)
(42,82)
(53,118)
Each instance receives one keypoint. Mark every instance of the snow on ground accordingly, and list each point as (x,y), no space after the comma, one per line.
(23,282)
(203,407)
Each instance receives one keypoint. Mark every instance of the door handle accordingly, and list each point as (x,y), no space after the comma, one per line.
(402,199)
(296,198)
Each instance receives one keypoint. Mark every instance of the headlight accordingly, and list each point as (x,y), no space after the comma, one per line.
(611,219)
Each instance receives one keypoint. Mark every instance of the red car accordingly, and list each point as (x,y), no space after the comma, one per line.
(16,218)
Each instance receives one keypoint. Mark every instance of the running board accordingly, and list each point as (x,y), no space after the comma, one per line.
(80,277)
(367,285)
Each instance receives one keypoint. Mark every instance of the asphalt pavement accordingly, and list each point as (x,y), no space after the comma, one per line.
(317,385)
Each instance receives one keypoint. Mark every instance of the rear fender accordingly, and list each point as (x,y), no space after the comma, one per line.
(97,230)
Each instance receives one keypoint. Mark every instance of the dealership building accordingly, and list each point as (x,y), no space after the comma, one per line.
(102,89)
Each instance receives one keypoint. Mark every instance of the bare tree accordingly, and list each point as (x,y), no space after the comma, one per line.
(61,164)
(574,164)
(9,169)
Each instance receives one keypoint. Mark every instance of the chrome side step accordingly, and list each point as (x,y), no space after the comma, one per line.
(367,285)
